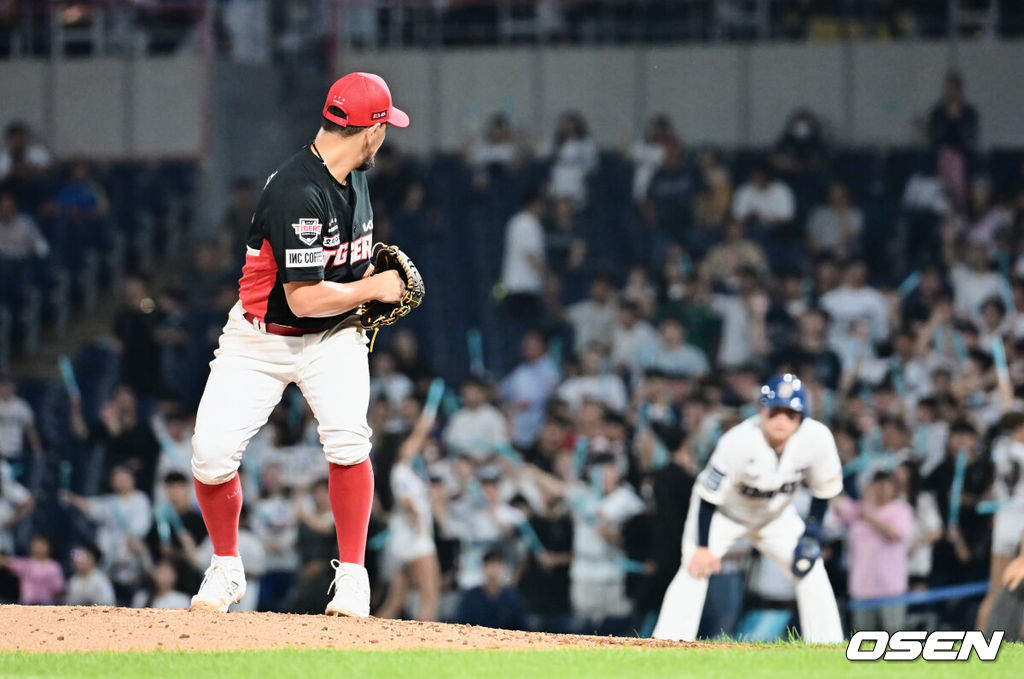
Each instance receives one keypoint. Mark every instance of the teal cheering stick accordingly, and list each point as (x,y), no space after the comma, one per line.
(957,489)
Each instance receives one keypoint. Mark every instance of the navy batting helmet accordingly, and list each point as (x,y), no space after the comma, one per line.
(784,391)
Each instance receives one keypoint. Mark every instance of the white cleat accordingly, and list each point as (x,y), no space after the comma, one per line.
(351,591)
(223,585)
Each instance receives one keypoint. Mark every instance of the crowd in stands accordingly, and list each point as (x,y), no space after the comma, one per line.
(545,485)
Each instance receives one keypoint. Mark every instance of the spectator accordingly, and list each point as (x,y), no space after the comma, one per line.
(178,528)
(595,383)
(41,577)
(648,154)
(764,201)
(743,315)
(1008,463)
(15,504)
(20,238)
(574,158)
(276,525)
(634,341)
(123,518)
(600,510)
(481,518)
(495,153)
(22,158)
(386,382)
(855,301)
(801,148)
(594,318)
(523,268)
(835,228)
(674,356)
(958,559)
(715,196)
(81,199)
(17,424)
(494,603)
(478,429)
(527,389)
(974,282)
(671,195)
(135,326)
(412,530)
(173,430)
(724,261)
(162,592)
(880,529)
(953,130)
(927,523)
(126,439)
(88,585)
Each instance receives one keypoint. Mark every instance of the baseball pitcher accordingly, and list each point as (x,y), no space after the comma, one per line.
(746,490)
(307,272)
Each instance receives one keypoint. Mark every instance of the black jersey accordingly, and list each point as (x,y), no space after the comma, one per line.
(307,227)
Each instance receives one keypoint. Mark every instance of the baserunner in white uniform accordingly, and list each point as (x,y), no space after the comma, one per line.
(746,490)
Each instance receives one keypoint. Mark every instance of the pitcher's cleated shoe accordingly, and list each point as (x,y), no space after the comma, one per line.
(351,590)
(223,585)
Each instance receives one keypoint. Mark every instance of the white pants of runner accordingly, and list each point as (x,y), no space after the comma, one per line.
(684,600)
(250,371)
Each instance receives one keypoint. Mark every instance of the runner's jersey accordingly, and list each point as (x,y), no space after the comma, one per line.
(751,484)
(307,227)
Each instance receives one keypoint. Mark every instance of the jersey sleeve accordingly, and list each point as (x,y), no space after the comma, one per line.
(294,220)
(718,478)
(825,473)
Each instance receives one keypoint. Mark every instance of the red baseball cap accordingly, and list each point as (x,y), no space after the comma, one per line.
(365,100)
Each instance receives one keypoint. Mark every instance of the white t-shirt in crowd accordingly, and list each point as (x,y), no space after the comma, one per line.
(593,557)
(847,305)
(37,157)
(592,322)
(91,589)
(12,496)
(574,160)
(607,389)
(276,525)
(524,238)
(972,288)
(734,348)
(773,203)
(15,415)
(481,432)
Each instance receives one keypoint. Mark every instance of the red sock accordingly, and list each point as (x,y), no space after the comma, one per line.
(221,506)
(351,491)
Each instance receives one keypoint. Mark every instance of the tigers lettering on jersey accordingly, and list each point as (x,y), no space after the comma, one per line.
(353,252)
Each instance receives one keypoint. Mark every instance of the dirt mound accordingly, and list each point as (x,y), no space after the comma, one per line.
(66,628)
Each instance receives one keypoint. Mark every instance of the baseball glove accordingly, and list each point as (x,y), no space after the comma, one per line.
(376,314)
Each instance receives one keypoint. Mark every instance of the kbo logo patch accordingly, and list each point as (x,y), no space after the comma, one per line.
(308,230)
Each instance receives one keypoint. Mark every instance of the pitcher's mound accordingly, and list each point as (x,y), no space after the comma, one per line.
(66,628)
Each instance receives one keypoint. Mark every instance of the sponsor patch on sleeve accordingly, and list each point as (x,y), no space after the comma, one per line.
(297,259)
(714,478)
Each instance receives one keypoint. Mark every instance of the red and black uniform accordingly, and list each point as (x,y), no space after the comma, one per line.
(307,227)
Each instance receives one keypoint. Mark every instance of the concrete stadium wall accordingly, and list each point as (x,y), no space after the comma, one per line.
(110,108)
(868,93)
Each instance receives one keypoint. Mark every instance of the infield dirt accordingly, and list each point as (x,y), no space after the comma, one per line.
(100,628)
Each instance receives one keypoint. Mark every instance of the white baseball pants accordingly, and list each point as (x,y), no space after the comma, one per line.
(683,605)
(250,371)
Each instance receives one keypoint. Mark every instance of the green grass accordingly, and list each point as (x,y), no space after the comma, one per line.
(782,661)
